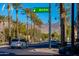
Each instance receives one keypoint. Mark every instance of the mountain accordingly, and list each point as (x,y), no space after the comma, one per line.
(45,27)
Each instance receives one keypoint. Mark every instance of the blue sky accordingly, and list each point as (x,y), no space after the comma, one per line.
(43,16)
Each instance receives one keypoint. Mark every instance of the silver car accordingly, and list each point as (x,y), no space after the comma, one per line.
(18,43)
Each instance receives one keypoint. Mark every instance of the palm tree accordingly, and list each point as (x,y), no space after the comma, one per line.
(26,11)
(29,15)
(34,19)
(16,6)
(63,24)
(72,26)
(37,23)
(14,28)
(78,22)
(9,30)
(9,21)
(2,18)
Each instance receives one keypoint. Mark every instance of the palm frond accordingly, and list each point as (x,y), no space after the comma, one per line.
(17,5)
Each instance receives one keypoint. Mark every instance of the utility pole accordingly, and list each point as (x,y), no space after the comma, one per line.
(49,25)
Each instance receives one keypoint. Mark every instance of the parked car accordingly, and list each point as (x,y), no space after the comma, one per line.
(69,50)
(18,43)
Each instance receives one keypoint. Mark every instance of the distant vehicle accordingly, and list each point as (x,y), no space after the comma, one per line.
(55,44)
(18,43)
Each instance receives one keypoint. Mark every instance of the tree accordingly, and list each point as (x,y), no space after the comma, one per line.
(67,17)
(78,22)
(9,21)
(63,24)
(72,26)
(16,6)
(68,32)
(44,36)
(55,36)
(22,28)
(26,12)
(34,19)
(68,22)
(3,19)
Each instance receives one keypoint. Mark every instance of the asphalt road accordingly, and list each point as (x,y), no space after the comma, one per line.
(30,51)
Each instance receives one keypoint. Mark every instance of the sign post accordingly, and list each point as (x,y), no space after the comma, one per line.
(45,10)
(49,25)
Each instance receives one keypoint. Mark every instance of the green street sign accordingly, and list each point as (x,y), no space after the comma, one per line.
(41,10)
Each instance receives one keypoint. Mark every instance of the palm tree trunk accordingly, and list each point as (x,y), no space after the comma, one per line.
(4,30)
(34,31)
(16,23)
(13,29)
(31,29)
(78,22)
(9,23)
(19,29)
(72,26)
(63,24)
(27,28)
(40,33)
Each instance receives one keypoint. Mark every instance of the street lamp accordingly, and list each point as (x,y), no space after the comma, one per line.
(49,25)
